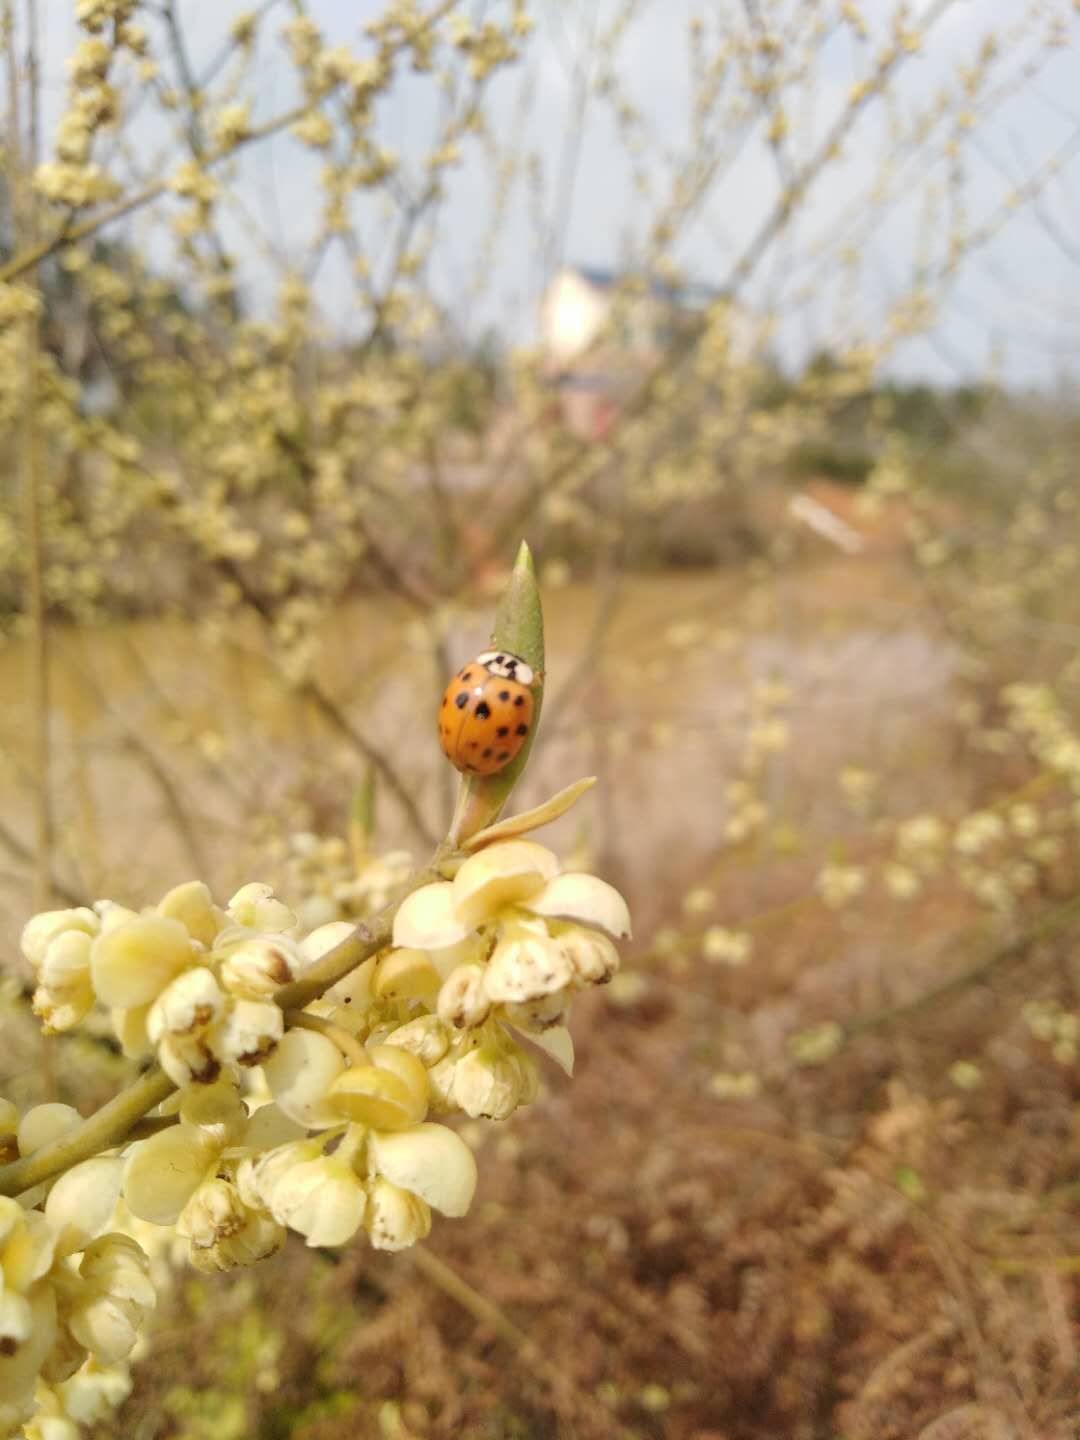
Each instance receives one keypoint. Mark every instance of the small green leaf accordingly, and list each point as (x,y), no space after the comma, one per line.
(362,806)
(909,1183)
(519,628)
(361,830)
(533,819)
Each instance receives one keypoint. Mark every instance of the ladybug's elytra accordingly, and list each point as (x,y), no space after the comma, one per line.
(486,713)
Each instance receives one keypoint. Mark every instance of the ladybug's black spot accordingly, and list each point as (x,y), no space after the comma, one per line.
(461,700)
(520,700)
(504,755)
(502,730)
(466,674)
(483,710)
(523,729)
(487,753)
(504,694)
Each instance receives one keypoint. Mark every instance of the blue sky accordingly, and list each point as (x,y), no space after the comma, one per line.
(1018,299)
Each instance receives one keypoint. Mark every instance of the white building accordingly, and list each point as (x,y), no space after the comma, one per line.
(599,330)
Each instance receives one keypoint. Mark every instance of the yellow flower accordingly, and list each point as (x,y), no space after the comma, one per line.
(512,894)
(108,1311)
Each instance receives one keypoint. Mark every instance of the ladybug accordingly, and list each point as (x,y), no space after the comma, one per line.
(486,713)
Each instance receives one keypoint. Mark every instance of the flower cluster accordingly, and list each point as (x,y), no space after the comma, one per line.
(74,1292)
(320,1125)
(186,979)
(496,953)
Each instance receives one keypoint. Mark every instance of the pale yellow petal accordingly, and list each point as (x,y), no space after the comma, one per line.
(81,1203)
(193,905)
(498,876)
(406,975)
(583,898)
(395,1218)
(556,1043)
(133,963)
(431,1161)
(368,1095)
(164,1172)
(427,919)
(44,1124)
(300,1072)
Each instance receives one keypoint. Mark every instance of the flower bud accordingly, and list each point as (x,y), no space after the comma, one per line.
(188,1060)
(300,1072)
(28,1332)
(351,998)
(526,966)
(254,905)
(44,1124)
(187,1007)
(490,1083)
(28,1245)
(81,1204)
(40,930)
(193,906)
(257,1175)
(259,1237)
(107,1313)
(425,1037)
(111,915)
(248,1032)
(592,956)
(257,968)
(395,1218)
(322,1199)
(224,1231)
(463,1000)
(64,995)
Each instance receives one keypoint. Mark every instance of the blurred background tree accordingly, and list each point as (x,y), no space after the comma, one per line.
(307,313)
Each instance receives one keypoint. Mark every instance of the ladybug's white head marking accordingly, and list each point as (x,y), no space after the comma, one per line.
(506,666)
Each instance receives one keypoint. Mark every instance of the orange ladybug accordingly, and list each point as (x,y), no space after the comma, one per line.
(486,712)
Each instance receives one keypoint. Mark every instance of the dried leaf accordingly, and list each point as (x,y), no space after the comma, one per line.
(533,819)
